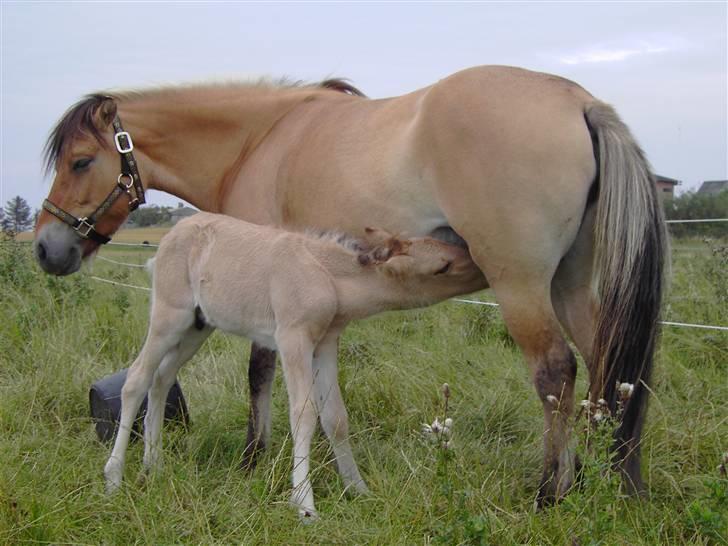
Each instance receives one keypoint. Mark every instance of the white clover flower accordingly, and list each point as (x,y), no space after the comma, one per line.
(626,390)
(552,399)
(448,424)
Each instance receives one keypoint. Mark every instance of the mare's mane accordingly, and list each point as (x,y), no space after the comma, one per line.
(79,118)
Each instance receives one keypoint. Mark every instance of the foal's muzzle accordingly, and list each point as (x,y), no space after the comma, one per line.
(58,249)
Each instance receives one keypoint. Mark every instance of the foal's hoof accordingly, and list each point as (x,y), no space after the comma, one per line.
(307,516)
(112,487)
(112,474)
(357,489)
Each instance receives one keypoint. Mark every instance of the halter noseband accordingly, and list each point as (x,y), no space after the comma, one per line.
(127,180)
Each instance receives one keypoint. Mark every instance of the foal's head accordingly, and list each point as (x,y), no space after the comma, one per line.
(439,269)
(82,151)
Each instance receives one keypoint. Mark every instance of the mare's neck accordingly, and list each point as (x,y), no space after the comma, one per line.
(192,142)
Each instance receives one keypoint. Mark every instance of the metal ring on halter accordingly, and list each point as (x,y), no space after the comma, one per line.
(128,186)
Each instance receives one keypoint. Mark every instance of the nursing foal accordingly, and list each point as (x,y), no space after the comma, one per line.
(294,292)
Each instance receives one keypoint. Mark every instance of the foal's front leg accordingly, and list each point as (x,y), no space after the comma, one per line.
(138,381)
(163,380)
(296,349)
(332,411)
(167,326)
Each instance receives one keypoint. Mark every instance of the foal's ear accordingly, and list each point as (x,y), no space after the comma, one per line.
(377,255)
(105,113)
(398,266)
(376,236)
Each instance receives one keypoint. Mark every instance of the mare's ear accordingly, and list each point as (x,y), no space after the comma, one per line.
(105,114)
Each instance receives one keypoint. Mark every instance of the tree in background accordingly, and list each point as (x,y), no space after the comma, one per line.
(698,206)
(150,215)
(17,216)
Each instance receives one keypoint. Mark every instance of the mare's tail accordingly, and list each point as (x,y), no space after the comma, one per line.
(630,257)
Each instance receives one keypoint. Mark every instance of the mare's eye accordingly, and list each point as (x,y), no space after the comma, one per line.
(81,164)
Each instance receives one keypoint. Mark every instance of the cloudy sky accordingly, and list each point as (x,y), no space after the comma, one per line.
(662,64)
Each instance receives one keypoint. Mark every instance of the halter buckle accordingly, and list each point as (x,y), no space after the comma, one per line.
(125,187)
(84,228)
(119,146)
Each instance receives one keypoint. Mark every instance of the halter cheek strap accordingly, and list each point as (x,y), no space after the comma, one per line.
(127,181)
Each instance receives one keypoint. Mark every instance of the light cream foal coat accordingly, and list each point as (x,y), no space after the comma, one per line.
(294,292)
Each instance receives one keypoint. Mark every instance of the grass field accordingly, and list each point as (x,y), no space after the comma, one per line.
(60,335)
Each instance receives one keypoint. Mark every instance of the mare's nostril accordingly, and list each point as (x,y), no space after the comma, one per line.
(41,251)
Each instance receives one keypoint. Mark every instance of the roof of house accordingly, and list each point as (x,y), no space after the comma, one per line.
(666,180)
(713,186)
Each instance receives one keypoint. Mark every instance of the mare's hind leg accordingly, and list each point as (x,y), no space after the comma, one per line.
(332,411)
(261,371)
(572,293)
(167,327)
(532,322)
(576,307)
(161,383)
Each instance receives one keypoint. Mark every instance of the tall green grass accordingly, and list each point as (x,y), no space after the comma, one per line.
(58,336)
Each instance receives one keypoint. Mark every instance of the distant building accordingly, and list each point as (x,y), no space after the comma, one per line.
(713,187)
(666,186)
(177,214)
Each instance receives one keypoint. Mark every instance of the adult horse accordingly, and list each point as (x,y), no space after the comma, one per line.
(544,183)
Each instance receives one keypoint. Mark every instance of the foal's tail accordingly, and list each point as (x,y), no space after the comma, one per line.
(630,256)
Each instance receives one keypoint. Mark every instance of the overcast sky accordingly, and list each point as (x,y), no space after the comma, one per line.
(663,65)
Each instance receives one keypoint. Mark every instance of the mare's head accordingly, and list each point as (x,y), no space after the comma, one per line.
(429,268)
(83,152)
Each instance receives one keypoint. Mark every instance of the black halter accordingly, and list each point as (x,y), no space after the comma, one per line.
(128,179)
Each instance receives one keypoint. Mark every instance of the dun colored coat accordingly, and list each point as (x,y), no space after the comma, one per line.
(543,181)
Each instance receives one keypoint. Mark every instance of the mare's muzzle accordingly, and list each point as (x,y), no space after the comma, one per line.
(58,249)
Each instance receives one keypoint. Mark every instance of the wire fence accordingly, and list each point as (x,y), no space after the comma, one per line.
(458,300)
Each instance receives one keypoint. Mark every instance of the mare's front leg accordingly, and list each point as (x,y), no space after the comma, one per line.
(261,371)
(296,350)
(165,332)
(332,411)
(161,383)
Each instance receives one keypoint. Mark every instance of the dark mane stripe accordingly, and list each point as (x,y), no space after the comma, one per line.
(79,118)
(342,85)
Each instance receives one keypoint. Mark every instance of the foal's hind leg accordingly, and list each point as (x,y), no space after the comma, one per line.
(161,383)
(167,327)
(261,371)
(296,350)
(332,411)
